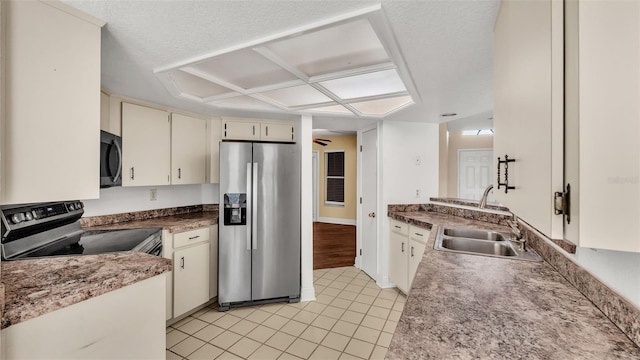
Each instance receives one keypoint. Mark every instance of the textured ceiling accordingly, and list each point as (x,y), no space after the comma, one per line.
(447,46)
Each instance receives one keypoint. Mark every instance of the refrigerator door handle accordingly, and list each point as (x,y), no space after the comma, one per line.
(254,207)
(249,206)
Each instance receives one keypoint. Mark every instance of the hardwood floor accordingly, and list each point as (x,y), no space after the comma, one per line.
(333,245)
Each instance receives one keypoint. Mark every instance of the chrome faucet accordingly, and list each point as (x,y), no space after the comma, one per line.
(515,230)
(483,201)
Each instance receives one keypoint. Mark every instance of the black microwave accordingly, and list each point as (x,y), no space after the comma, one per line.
(110,160)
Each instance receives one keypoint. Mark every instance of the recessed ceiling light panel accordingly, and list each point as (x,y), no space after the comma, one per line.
(370,84)
(243,103)
(296,96)
(343,47)
(245,68)
(381,107)
(334,109)
(196,86)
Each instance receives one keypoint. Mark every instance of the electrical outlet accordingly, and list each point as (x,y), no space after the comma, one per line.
(418,160)
(417,193)
(153,195)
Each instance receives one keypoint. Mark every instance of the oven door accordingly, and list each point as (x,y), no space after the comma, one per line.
(110,160)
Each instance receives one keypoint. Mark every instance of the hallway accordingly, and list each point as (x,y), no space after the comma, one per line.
(334,245)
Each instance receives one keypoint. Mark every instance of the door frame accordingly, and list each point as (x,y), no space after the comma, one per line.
(316,183)
(359,212)
(458,164)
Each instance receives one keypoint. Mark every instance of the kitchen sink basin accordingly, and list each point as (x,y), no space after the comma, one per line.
(482,242)
(478,246)
(474,234)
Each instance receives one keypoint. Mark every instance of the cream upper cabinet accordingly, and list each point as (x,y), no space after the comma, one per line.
(276,132)
(188,150)
(240,130)
(214,136)
(51,100)
(526,102)
(258,130)
(146,149)
(603,124)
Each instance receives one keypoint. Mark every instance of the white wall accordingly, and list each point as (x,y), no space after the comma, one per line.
(401,143)
(126,199)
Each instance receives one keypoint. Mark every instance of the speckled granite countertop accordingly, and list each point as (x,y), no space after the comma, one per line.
(35,287)
(469,307)
(172,223)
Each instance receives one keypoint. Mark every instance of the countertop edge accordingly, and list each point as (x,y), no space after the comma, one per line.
(57,282)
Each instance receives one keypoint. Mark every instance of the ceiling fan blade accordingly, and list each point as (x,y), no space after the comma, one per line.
(325,140)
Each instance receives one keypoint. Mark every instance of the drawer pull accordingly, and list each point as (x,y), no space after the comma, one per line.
(418,234)
(396,226)
(194,237)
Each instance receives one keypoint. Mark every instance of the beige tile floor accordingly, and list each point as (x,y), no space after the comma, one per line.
(352,318)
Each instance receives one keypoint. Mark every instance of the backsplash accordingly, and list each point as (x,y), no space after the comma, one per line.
(470,214)
(620,311)
(144,215)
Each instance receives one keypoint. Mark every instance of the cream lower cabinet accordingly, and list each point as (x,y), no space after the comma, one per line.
(194,282)
(398,250)
(407,245)
(125,323)
(188,150)
(146,146)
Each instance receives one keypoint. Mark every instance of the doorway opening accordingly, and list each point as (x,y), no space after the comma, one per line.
(334,170)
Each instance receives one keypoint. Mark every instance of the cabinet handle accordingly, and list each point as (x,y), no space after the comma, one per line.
(267,130)
(133,174)
(396,226)
(179,173)
(418,234)
(254,129)
(402,247)
(182,262)
(194,237)
(412,251)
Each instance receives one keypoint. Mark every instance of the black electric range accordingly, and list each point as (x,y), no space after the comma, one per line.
(53,229)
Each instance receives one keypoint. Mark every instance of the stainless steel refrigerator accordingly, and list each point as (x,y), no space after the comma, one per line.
(259,227)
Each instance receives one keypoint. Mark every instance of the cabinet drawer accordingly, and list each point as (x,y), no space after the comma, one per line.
(190,237)
(399,227)
(419,234)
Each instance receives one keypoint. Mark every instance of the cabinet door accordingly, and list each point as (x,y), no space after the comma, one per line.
(240,130)
(51,104)
(213,260)
(523,100)
(416,250)
(190,278)
(188,150)
(214,135)
(146,139)
(277,132)
(398,254)
(605,164)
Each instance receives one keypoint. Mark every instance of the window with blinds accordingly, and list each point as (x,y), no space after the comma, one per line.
(334,177)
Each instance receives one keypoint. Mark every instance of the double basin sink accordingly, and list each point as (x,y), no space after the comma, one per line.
(482,242)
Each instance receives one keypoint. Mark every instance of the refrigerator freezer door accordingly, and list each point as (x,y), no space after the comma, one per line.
(234,259)
(276,257)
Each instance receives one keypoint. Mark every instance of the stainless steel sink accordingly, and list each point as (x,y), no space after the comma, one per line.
(502,248)
(482,242)
(475,234)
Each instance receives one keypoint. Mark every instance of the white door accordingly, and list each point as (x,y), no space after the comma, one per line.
(369,249)
(314,167)
(474,173)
